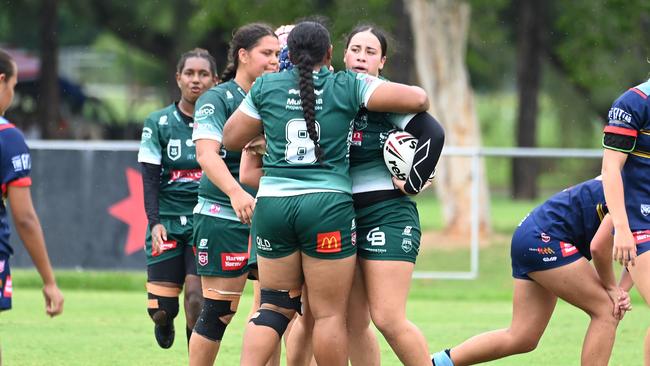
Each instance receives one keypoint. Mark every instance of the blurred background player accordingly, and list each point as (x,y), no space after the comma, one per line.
(550,251)
(304,218)
(15,166)
(626,163)
(170,176)
(225,207)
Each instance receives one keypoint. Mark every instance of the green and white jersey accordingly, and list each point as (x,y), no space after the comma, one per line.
(167,141)
(290,166)
(367,167)
(210,115)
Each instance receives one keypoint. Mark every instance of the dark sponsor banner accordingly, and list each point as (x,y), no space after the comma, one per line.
(91,208)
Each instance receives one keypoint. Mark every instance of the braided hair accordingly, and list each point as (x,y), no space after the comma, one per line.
(198,53)
(308,44)
(245,37)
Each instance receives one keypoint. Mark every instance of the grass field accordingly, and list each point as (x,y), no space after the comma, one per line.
(105,320)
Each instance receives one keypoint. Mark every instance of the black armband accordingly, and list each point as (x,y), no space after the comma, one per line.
(619,139)
(151,188)
(431,138)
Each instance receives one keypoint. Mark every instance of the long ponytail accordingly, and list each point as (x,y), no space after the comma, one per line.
(308,44)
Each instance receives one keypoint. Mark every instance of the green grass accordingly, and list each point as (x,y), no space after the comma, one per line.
(111,327)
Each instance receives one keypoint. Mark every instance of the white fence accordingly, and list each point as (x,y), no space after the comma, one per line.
(476,154)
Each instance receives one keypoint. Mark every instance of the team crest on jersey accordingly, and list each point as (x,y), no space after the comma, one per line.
(645,210)
(174,149)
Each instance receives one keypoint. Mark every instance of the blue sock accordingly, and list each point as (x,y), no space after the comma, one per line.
(442,359)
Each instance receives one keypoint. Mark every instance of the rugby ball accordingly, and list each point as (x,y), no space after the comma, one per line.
(399,150)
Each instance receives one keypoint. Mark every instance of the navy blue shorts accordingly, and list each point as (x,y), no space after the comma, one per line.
(642,239)
(533,250)
(5,283)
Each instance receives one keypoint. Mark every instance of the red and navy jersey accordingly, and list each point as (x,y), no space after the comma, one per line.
(573,215)
(15,166)
(629,118)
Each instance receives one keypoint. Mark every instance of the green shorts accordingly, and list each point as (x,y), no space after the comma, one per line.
(321,225)
(389,230)
(222,247)
(179,234)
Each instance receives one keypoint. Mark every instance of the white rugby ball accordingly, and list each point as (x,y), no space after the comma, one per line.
(399,150)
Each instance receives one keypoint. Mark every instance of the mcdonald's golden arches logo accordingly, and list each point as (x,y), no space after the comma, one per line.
(328,242)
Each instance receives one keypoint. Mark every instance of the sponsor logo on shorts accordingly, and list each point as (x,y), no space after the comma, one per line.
(542,250)
(549,259)
(203,258)
(357,138)
(353,238)
(407,230)
(185,175)
(165,246)
(215,208)
(407,245)
(376,237)
(329,242)
(645,210)
(641,236)
(2,266)
(233,261)
(203,243)
(568,249)
(263,244)
(8,288)
(545,237)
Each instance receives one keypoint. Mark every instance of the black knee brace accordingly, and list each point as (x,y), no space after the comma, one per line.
(209,323)
(161,303)
(274,319)
(281,299)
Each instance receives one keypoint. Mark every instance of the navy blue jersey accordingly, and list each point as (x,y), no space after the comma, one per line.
(630,116)
(15,165)
(573,215)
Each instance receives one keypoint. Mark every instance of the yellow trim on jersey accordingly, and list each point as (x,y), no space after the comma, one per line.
(600,211)
(643,154)
(645,132)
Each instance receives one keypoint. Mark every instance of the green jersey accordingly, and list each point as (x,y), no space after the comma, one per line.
(367,167)
(167,141)
(290,166)
(211,113)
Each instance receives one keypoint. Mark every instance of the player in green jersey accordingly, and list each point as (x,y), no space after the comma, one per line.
(171,176)
(303,224)
(224,209)
(388,226)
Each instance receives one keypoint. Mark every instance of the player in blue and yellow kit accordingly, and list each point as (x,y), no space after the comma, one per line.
(303,222)
(170,177)
(224,209)
(626,163)
(15,166)
(550,251)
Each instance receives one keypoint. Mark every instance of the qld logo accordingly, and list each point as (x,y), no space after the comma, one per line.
(203,258)
(174,149)
(645,210)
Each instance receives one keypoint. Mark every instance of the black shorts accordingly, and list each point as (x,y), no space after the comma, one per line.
(5,283)
(173,269)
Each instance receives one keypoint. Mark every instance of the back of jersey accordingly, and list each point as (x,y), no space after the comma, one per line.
(290,166)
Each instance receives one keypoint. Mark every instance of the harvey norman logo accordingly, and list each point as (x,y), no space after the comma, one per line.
(329,242)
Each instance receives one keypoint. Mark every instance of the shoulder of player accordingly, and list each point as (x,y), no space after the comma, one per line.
(162,114)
